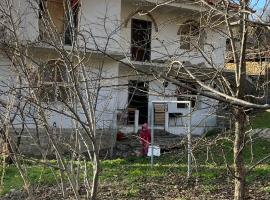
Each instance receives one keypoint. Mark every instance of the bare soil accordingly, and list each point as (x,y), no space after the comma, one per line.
(169,188)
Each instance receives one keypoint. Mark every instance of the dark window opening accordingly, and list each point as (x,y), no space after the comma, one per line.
(141,40)
(41,8)
(72,22)
(58,16)
(138,100)
(51,18)
(185,98)
(228,45)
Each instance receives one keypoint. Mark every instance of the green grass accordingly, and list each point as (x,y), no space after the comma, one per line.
(262,120)
(37,175)
(134,171)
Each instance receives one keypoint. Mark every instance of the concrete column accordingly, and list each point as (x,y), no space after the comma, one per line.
(136,122)
(166,121)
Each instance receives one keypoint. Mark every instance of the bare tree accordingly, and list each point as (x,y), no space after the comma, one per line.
(63,84)
(233,22)
(68,77)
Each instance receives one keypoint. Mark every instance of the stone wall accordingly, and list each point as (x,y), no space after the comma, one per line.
(33,143)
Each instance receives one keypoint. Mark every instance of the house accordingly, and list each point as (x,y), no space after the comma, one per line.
(116,37)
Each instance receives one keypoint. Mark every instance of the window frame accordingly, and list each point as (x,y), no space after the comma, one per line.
(57,82)
(188,32)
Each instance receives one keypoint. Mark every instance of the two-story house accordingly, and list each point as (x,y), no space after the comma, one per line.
(117,37)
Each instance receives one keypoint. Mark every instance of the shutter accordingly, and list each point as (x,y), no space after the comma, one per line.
(160,110)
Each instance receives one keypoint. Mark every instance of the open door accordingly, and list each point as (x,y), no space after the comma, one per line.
(138,100)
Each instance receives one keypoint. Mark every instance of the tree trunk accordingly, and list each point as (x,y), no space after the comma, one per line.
(239,165)
(96,169)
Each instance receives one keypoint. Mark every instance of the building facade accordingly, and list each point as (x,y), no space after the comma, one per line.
(118,39)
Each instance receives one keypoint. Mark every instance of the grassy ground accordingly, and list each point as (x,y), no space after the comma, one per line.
(133,178)
(261,120)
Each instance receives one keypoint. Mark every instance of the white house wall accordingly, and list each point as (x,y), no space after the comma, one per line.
(107,101)
(25,15)
(203,116)
(104,19)
(167,30)
(168,20)
(101,18)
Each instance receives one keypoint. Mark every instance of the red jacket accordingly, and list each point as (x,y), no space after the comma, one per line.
(145,136)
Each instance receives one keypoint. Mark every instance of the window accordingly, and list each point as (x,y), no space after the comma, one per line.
(61,17)
(186,95)
(186,98)
(53,82)
(189,35)
(51,12)
(72,22)
(141,40)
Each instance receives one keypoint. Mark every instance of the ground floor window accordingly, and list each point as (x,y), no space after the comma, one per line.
(53,82)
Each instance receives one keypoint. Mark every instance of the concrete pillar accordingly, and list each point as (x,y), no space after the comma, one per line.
(166,121)
(136,121)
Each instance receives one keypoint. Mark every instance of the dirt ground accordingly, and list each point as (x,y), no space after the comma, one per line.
(167,188)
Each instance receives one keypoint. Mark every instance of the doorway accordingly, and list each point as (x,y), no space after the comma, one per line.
(138,100)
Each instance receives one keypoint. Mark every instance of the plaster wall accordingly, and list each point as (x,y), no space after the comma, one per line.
(203,114)
(100,24)
(25,17)
(165,42)
(107,98)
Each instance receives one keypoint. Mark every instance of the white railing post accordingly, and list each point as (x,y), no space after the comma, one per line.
(189,141)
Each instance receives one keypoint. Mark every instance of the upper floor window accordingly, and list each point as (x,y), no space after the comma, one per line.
(58,17)
(190,36)
(141,40)
(72,21)
(53,82)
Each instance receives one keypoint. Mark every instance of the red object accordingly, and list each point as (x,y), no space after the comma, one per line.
(145,137)
(120,136)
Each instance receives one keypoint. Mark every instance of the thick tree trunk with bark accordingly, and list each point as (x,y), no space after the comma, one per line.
(239,165)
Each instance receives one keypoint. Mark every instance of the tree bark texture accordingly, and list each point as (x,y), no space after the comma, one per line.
(239,165)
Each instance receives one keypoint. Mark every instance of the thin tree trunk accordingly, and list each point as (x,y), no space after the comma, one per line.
(239,165)
(96,170)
